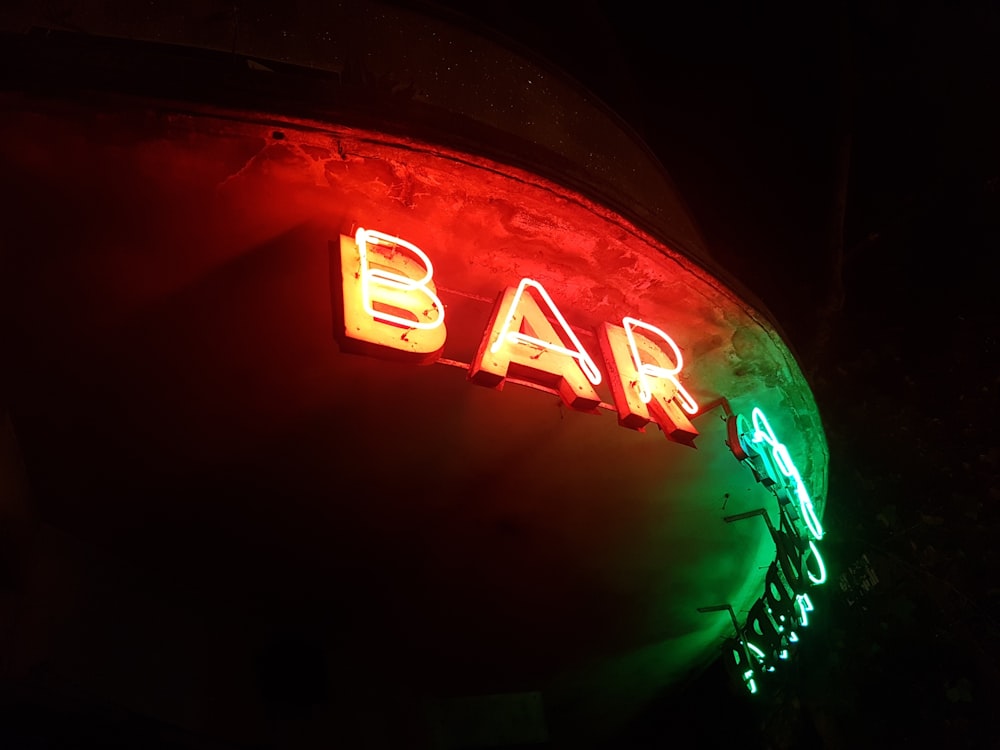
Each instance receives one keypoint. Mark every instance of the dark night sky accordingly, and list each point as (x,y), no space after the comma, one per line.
(843,161)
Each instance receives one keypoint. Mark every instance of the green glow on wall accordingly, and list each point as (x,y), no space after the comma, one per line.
(781,458)
(798,564)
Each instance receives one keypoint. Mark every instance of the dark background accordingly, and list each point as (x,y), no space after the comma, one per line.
(842,160)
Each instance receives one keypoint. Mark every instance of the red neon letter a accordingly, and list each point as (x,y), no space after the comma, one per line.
(521,341)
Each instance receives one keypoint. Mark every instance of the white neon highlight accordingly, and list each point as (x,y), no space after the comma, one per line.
(587,364)
(821,578)
(646,370)
(764,434)
(390,280)
(750,683)
(805,606)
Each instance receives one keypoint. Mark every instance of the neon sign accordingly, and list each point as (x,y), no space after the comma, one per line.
(390,301)
(528,340)
(391,309)
(772,625)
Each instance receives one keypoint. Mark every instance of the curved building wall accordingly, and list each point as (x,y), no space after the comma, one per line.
(227,441)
